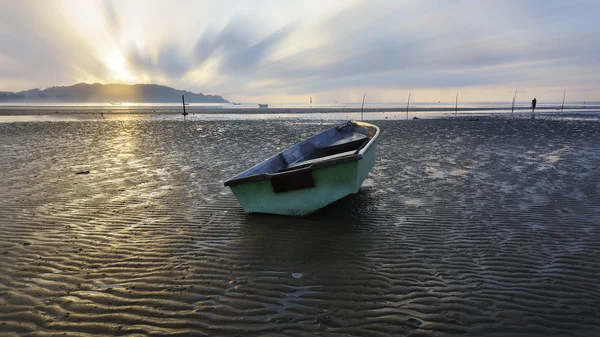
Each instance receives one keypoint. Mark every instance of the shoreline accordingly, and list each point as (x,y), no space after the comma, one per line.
(78,110)
(288,114)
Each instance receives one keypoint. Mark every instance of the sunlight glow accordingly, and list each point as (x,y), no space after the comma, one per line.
(117,65)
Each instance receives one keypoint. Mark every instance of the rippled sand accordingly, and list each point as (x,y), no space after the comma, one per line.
(482,228)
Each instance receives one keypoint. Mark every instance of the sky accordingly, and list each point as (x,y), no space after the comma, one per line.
(287,51)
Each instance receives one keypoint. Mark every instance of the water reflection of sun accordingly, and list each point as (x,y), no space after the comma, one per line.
(117,65)
(124,144)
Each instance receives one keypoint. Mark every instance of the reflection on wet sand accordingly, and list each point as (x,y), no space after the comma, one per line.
(463,227)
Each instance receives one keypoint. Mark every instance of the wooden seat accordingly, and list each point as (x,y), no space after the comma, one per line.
(345,146)
(316,160)
(354,142)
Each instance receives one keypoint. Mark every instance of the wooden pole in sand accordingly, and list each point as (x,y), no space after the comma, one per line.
(513,104)
(563,103)
(456,105)
(407,102)
(183,102)
(362,106)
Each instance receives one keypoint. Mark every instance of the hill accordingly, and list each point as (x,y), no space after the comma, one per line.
(84,93)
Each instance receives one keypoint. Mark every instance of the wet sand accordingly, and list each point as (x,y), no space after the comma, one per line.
(482,228)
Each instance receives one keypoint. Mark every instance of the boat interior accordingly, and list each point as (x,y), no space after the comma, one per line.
(336,143)
(345,146)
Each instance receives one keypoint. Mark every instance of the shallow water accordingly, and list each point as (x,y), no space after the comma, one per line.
(285,115)
(481,227)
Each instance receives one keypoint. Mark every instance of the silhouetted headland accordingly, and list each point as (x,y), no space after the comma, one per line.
(83,92)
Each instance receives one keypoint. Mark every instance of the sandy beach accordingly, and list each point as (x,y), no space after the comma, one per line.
(479,227)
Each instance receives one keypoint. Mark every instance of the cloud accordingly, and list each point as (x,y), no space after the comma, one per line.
(239,45)
(36,42)
(435,49)
(111,18)
(272,48)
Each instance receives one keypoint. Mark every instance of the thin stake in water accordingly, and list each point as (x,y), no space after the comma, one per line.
(362,106)
(563,103)
(407,102)
(183,102)
(456,105)
(513,103)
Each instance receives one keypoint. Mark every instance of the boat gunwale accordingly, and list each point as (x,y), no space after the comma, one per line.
(358,155)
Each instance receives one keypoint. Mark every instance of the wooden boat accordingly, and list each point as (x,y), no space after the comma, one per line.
(116,103)
(263,105)
(236,103)
(311,174)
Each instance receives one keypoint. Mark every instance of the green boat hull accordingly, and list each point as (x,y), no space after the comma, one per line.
(331,183)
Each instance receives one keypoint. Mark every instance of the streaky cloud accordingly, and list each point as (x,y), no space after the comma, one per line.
(239,45)
(262,50)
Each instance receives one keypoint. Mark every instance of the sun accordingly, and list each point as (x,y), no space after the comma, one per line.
(117,65)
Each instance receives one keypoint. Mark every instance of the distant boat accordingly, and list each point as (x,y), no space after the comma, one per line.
(311,174)
(116,103)
(235,103)
(263,105)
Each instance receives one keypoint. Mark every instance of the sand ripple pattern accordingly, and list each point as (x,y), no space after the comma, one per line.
(480,228)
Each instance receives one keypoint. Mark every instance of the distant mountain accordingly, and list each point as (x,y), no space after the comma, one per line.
(98,93)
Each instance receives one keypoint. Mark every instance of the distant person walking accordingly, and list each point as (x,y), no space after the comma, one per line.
(533,104)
